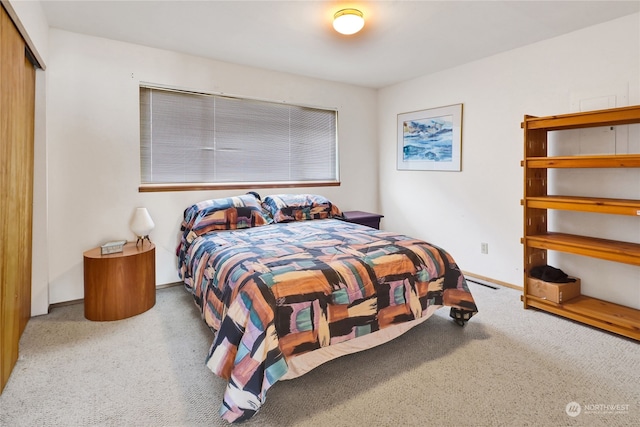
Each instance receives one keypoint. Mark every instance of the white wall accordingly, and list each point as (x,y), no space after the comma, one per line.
(33,21)
(459,210)
(93,144)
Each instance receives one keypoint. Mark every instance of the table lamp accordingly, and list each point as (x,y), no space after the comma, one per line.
(141,225)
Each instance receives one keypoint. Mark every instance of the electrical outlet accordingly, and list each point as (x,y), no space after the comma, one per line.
(484,248)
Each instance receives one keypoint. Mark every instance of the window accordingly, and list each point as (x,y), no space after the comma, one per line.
(196,141)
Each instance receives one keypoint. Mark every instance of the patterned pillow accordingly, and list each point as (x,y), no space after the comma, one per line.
(299,207)
(229,213)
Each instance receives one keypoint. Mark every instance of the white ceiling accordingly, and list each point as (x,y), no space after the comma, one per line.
(401,39)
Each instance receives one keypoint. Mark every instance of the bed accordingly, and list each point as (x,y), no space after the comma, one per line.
(286,285)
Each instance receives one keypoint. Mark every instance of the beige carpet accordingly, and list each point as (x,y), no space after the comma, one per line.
(507,367)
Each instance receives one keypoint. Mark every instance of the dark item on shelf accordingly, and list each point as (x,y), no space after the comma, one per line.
(551,274)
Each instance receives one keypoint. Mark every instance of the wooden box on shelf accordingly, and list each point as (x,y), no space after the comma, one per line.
(554,292)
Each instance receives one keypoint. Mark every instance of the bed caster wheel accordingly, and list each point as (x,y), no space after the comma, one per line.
(461,317)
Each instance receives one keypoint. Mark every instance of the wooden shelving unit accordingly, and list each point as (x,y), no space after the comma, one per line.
(538,240)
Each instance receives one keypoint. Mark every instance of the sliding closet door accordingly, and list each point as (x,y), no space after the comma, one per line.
(17,97)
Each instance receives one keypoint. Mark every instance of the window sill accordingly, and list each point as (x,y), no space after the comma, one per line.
(150,188)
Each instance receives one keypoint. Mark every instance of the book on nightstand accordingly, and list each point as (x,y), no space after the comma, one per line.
(112,247)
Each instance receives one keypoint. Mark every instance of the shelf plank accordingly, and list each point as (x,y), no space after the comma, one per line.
(609,117)
(586,204)
(603,161)
(595,312)
(610,250)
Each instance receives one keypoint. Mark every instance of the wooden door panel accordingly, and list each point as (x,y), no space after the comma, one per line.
(17,97)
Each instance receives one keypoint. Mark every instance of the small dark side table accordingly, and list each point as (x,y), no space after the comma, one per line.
(363,218)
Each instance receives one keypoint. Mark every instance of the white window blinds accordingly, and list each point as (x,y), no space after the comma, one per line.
(198,138)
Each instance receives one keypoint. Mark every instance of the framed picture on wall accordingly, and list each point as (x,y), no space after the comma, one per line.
(430,139)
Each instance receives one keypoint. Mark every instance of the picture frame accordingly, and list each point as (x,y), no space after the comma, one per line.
(431,140)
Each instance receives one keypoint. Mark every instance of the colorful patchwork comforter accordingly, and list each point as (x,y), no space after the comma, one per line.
(273,292)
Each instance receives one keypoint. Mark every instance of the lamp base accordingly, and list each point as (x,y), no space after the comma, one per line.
(141,240)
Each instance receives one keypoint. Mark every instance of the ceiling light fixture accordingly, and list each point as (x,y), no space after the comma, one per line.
(348,21)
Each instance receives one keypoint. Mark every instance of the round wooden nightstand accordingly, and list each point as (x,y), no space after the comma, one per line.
(120,285)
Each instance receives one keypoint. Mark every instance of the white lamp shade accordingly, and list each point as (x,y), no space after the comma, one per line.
(141,223)
(348,21)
